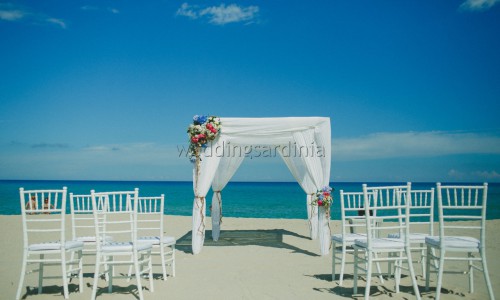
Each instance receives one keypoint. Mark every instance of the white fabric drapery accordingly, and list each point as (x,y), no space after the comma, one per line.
(227,167)
(297,168)
(303,142)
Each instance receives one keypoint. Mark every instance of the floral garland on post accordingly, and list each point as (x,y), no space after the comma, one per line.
(204,129)
(324,198)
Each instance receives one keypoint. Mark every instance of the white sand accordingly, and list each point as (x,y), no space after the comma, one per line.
(254,259)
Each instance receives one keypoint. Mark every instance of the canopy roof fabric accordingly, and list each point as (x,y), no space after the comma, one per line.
(304,143)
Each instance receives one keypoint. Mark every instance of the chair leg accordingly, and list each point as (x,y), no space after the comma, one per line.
(389,266)
(23,273)
(40,274)
(423,259)
(111,271)
(434,260)
(378,269)
(173,260)
(107,273)
(342,264)
(80,273)
(129,275)
(471,274)
(412,273)
(368,274)
(64,274)
(150,265)
(440,274)
(96,276)
(486,274)
(397,272)
(163,262)
(428,267)
(355,273)
(334,253)
(138,276)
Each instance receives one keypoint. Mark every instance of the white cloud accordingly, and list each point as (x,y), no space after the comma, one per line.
(187,10)
(89,7)
(96,8)
(478,5)
(230,14)
(10,12)
(413,144)
(456,175)
(11,15)
(221,14)
(57,22)
(487,175)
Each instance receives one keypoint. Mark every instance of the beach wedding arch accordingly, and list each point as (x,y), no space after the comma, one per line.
(218,146)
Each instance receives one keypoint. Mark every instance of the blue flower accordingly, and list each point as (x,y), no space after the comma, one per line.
(192,159)
(320,197)
(202,119)
(198,120)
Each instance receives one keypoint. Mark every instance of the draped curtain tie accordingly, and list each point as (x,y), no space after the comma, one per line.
(310,208)
(220,206)
(201,228)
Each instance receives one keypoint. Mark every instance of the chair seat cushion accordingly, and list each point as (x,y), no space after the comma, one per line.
(414,237)
(381,243)
(124,246)
(91,239)
(155,240)
(349,237)
(454,242)
(69,245)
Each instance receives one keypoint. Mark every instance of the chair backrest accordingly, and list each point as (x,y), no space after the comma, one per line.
(462,203)
(421,210)
(115,214)
(43,215)
(150,216)
(352,211)
(82,219)
(385,211)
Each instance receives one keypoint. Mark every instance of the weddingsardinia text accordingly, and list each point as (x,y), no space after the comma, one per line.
(226,149)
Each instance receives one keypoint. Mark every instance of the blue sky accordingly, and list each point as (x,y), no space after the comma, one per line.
(105,89)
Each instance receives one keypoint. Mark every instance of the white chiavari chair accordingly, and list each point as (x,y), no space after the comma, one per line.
(384,213)
(150,227)
(118,219)
(353,222)
(43,216)
(463,241)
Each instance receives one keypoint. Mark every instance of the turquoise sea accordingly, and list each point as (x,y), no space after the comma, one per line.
(239,199)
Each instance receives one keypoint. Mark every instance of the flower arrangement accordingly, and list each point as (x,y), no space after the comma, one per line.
(203,130)
(324,197)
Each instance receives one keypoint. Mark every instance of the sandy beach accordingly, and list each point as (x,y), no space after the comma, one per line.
(254,259)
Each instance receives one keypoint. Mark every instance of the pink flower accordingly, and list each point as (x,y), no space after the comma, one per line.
(320,203)
(194,140)
(201,136)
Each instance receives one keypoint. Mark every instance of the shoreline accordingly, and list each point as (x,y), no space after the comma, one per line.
(255,258)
